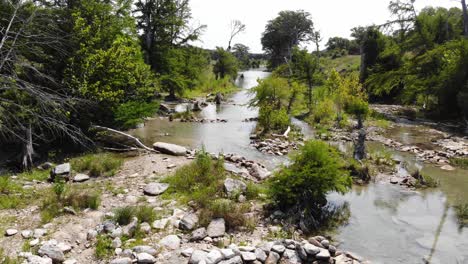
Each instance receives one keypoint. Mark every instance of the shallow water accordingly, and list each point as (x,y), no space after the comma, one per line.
(387,224)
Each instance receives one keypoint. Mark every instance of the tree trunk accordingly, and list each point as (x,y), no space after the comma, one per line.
(28,149)
(360,147)
(465,18)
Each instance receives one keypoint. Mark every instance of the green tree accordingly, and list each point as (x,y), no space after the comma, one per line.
(241,52)
(282,34)
(226,64)
(316,170)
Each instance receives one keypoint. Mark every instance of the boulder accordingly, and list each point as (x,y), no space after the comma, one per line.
(323,254)
(160,224)
(33,259)
(188,222)
(122,261)
(198,256)
(145,249)
(248,256)
(171,242)
(278,249)
(155,188)
(62,171)
(170,149)
(259,172)
(232,186)
(81,178)
(199,234)
(11,232)
(291,257)
(260,254)
(273,258)
(216,228)
(228,253)
(311,250)
(234,260)
(51,250)
(145,258)
(213,257)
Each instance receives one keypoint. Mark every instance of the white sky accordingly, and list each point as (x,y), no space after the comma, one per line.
(331,17)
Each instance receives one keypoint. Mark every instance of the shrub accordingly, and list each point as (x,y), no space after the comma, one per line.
(145,214)
(461,211)
(424,181)
(100,164)
(124,215)
(130,114)
(460,162)
(324,112)
(104,247)
(253,191)
(82,200)
(314,172)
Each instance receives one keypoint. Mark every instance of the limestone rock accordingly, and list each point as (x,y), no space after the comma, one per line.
(145,258)
(171,242)
(62,170)
(11,232)
(51,250)
(216,228)
(81,178)
(170,149)
(122,261)
(199,234)
(155,188)
(273,258)
(232,186)
(213,257)
(198,256)
(188,222)
(248,256)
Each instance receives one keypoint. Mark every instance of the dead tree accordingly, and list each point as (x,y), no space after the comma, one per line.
(236,28)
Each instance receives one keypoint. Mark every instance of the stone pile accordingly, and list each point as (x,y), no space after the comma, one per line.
(276,146)
(245,168)
(455,146)
(202,120)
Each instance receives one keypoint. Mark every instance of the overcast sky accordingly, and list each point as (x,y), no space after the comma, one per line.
(331,17)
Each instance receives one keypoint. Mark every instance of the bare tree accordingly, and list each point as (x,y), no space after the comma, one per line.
(465,18)
(236,28)
(32,106)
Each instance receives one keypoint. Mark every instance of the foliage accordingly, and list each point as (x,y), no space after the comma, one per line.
(226,64)
(461,211)
(276,120)
(124,215)
(289,29)
(130,114)
(315,171)
(100,164)
(104,247)
(460,162)
(241,52)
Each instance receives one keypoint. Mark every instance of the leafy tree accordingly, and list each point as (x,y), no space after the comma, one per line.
(315,171)
(304,67)
(241,52)
(285,32)
(226,64)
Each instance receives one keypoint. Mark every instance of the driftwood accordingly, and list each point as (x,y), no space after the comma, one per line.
(136,140)
(286,133)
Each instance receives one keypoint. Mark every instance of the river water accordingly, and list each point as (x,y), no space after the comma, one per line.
(387,224)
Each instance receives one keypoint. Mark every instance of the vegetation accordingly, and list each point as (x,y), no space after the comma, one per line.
(100,164)
(104,247)
(144,214)
(460,162)
(302,187)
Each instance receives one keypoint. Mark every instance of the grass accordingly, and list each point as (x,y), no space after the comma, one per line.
(202,182)
(144,214)
(14,196)
(36,174)
(7,260)
(99,164)
(104,248)
(461,211)
(460,162)
(61,196)
(424,181)
(347,63)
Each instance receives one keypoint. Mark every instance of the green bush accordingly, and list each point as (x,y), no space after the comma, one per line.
(276,120)
(100,164)
(130,114)
(104,247)
(124,215)
(324,112)
(460,162)
(314,172)
(145,214)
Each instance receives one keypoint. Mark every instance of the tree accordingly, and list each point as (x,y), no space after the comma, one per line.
(304,66)
(241,52)
(236,28)
(465,17)
(226,64)
(34,108)
(301,188)
(285,32)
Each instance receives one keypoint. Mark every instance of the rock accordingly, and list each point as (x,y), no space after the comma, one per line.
(447,168)
(259,172)
(11,232)
(311,250)
(278,249)
(216,228)
(160,224)
(62,170)
(122,261)
(332,250)
(232,186)
(70,261)
(218,98)
(198,256)
(170,149)
(248,256)
(171,166)
(234,260)
(33,259)
(213,257)
(145,228)
(108,226)
(130,229)
(45,166)
(315,242)
(91,235)
(325,243)
(247,248)
(34,242)
(187,252)
(291,256)
(228,253)
(199,234)
(394,180)
(51,250)
(145,258)
(81,178)
(116,243)
(171,242)
(64,247)
(301,252)
(155,188)
(188,222)
(145,249)
(260,254)
(323,255)
(273,258)
(26,234)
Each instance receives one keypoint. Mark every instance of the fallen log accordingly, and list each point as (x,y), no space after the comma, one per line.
(136,140)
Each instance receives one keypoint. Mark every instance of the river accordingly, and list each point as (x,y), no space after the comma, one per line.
(387,225)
